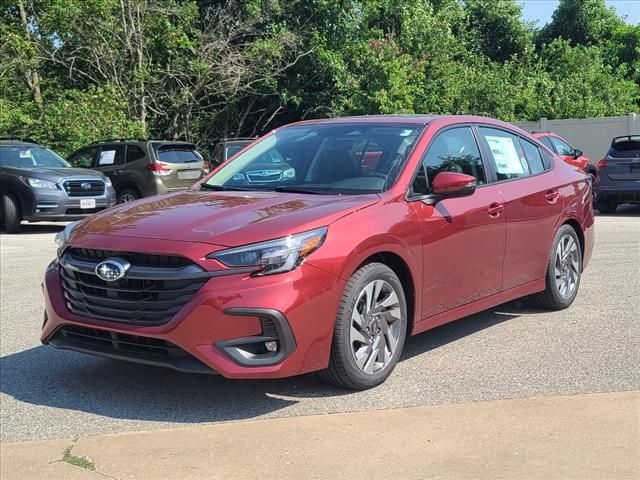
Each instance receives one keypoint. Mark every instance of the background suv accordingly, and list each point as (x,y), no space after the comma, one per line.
(38,185)
(227,148)
(619,174)
(141,168)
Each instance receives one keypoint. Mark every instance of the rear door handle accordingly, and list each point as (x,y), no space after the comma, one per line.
(551,196)
(495,209)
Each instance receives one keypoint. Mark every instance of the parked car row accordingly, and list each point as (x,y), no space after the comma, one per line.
(39,185)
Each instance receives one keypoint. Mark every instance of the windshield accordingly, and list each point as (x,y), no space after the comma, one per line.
(30,156)
(322,159)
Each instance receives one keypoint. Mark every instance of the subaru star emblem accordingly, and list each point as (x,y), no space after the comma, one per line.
(112,269)
(86,186)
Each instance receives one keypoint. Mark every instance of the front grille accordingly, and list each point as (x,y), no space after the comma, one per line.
(154,289)
(137,259)
(127,347)
(84,188)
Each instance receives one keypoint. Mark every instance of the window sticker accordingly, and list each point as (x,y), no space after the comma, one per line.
(505,155)
(107,157)
(25,154)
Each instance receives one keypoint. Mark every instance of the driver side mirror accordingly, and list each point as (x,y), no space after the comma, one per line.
(577,153)
(453,185)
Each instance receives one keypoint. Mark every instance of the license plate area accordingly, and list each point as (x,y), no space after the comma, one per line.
(87,203)
(189,174)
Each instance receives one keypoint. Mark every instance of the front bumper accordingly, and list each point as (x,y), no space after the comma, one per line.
(220,325)
(56,205)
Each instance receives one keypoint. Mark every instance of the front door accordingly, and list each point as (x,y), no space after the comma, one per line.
(463,238)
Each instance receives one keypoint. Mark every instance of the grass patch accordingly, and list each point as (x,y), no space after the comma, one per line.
(82,462)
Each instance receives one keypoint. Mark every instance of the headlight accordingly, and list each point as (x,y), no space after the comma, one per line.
(274,256)
(37,183)
(107,182)
(63,237)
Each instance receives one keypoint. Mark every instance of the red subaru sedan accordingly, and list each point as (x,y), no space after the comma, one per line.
(321,247)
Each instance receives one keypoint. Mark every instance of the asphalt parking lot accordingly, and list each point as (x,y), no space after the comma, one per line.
(512,351)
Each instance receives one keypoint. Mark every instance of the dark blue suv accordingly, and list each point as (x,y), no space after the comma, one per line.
(618,179)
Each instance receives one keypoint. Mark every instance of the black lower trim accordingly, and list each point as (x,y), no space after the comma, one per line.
(246,351)
(619,196)
(130,348)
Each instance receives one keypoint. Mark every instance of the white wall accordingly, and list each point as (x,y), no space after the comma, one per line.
(591,135)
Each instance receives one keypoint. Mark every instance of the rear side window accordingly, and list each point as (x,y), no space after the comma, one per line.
(561,146)
(111,155)
(507,154)
(534,158)
(84,158)
(454,150)
(178,154)
(547,159)
(134,153)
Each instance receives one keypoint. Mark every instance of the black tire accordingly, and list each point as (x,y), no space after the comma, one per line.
(127,195)
(551,298)
(10,214)
(343,370)
(607,206)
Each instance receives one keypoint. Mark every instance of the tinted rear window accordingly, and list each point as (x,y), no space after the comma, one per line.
(177,154)
(624,148)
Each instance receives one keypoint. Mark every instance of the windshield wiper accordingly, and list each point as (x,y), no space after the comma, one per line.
(297,190)
(222,188)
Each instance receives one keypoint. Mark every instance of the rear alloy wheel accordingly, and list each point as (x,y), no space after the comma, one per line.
(128,195)
(370,329)
(564,271)
(607,206)
(10,214)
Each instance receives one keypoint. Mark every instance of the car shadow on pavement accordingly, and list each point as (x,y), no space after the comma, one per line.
(622,211)
(69,380)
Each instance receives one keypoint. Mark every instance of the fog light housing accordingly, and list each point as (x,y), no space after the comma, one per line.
(271,346)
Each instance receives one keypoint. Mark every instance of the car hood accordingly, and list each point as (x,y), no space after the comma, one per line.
(56,174)
(223,218)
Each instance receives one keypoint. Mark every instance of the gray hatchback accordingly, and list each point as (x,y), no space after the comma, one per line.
(38,185)
(618,179)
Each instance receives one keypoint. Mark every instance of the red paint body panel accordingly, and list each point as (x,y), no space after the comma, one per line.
(583,162)
(462,254)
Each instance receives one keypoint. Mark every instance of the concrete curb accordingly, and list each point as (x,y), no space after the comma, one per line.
(593,436)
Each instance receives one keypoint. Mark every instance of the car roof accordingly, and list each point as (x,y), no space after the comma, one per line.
(10,141)
(405,119)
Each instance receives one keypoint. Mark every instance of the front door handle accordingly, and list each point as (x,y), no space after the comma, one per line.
(551,196)
(495,209)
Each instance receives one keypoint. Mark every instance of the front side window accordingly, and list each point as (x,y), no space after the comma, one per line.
(507,154)
(322,159)
(30,156)
(561,146)
(454,150)
(84,158)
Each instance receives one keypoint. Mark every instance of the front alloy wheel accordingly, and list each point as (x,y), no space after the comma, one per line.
(370,329)
(375,327)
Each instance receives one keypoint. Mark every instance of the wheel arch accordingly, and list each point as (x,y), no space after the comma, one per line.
(400,267)
(573,223)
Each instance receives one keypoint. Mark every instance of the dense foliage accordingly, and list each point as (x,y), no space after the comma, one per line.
(75,71)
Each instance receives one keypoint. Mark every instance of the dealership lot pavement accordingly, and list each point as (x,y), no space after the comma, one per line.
(512,351)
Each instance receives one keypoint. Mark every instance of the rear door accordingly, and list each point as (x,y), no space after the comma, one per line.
(181,164)
(533,203)
(623,159)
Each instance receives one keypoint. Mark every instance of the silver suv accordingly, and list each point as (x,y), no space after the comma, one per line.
(38,185)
